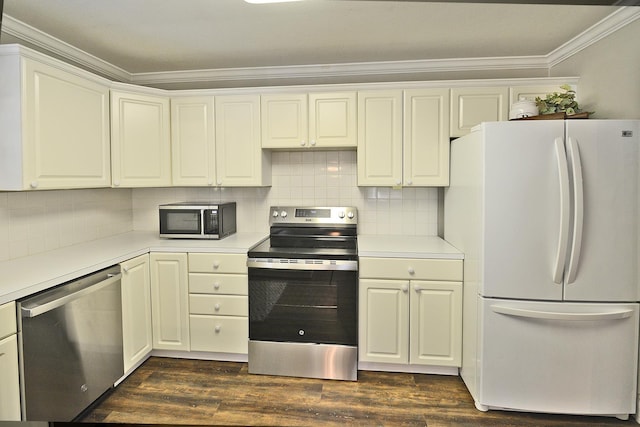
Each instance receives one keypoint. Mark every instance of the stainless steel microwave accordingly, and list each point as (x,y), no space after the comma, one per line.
(197,220)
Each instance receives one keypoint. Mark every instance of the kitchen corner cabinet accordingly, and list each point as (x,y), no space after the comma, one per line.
(240,160)
(9,377)
(218,302)
(410,311)
(140,140)
(193,150)
(471,106)
(55,126)
(403,138)
(314,120)
(137,331)
(169,301)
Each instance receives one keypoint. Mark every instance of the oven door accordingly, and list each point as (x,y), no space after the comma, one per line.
(303,301)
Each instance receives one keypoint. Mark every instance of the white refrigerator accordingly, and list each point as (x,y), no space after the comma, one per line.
(546,213)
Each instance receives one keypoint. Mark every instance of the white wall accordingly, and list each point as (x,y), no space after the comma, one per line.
(36,221)
(323,178)
(609,73)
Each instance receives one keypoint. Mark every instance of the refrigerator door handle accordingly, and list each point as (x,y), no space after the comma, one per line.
(563,237)
(552,315)
(578,200)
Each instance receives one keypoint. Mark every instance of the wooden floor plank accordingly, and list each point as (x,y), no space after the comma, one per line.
(197,392)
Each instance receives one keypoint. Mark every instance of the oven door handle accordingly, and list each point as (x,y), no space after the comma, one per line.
(302,264)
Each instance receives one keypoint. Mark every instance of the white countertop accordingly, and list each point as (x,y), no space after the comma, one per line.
(391,246)
(27,275)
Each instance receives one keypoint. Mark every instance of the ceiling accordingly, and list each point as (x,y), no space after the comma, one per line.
(168,36)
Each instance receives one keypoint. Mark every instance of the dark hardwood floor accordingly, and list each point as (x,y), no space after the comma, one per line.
(198,392)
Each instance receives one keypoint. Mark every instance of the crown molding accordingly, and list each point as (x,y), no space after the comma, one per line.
(598,31)
(61,49)
(56,47)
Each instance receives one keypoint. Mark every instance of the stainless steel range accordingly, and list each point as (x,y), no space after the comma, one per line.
(303,294)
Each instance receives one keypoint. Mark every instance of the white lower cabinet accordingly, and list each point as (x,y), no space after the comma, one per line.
(218,302)
(410,311)
(9,379)
(169,301)
(137,332)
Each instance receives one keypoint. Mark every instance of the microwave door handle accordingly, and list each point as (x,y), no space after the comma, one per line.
(578,215)
(563,236)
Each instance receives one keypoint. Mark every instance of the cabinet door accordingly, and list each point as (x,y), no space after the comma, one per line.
(169,301)
(435,323)
(472,106)
(9,382)
(240,160)
(332,119)
(193,155)
(284,121)
(383,321)
(140,140)
(426,137)
(66,141)
(380,138)
(137,331)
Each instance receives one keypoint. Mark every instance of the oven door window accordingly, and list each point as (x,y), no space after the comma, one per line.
(305,306)
(176,221)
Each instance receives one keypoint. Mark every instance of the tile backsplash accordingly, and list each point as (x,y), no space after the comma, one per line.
(37,221)
(311,178)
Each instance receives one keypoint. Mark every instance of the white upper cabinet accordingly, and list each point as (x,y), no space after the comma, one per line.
(380,138)
(55,125)
(529,93)
(140,140)
(193,151)
(426,137)
(316,120)
(240,160)
(403,139)
(471,106)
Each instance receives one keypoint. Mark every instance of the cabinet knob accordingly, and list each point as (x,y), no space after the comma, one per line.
(409,182)
(216,307)
(303,143)
(313,142)
(34,184)
(116,183)
(219,182)
(398,182)
(405,288)
(411,271)
(216,265)
(216,286)
(210,182)
(417,288)
(218,328)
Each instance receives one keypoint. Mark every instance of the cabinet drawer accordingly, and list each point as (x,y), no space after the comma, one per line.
(230,284)
(7,319)
(408,268)
(223,305)
(217,263)
(219,334)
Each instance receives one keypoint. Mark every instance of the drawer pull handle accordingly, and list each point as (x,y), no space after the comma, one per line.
(2,354)
(216,307)
(218,328)
(216,286)
(411,271)
(216,265)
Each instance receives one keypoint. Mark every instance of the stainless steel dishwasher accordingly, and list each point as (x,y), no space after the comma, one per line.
(70,341)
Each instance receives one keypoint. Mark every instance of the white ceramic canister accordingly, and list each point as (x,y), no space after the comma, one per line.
(523,108)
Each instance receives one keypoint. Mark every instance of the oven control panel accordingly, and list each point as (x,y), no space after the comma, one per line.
(314,215)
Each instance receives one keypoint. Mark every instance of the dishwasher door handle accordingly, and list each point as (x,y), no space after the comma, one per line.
(39,309)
